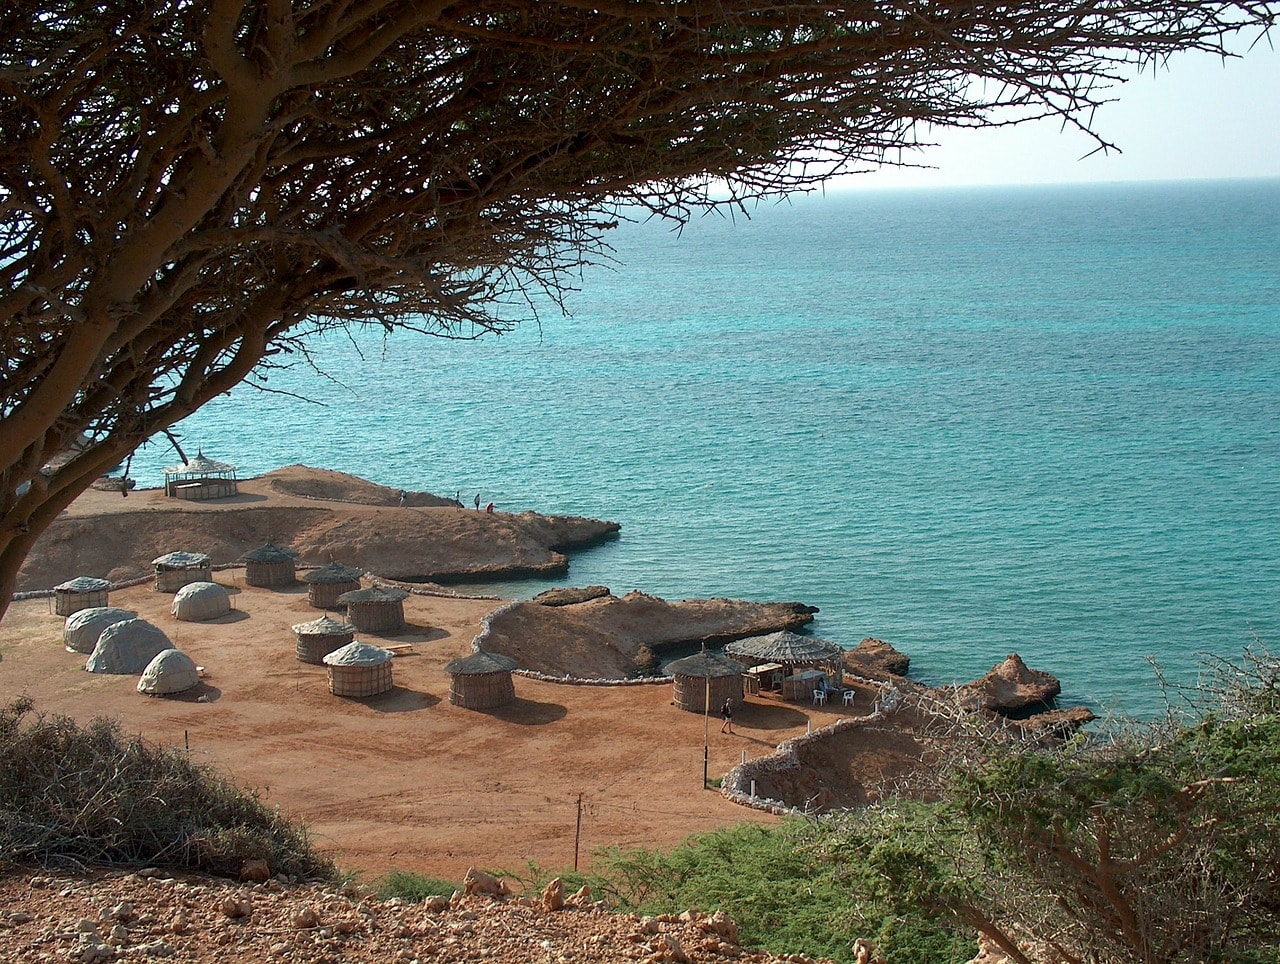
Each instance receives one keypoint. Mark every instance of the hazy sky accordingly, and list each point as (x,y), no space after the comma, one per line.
(1199,118)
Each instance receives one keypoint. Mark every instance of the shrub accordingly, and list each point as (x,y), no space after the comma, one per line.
(92,796)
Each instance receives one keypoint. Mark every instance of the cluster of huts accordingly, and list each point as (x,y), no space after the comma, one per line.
(118,641)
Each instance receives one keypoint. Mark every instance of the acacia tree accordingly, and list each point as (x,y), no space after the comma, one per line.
(191,187)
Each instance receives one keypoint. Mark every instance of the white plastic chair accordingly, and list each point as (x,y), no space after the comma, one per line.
(819,697)
(848,697)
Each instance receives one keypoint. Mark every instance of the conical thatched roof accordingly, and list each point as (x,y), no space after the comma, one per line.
(269,553)
(332,573)
(480,664)
(706,665)
(326,625)
(200,465)
(171,671)
(374,594)
(83,584)
(181,560)
(127,647)
(785,647)
(82,629)
(356,653)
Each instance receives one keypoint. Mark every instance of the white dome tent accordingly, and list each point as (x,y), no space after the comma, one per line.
(125,648)
(198,601)
(81,631)
(170,671)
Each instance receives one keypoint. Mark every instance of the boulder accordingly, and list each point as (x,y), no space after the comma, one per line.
(874,658)
(1010,689)
(570,596)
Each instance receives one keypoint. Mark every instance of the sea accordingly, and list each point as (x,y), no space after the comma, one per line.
(969,422)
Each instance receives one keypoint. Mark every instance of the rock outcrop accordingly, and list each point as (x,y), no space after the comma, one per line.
(1011,689)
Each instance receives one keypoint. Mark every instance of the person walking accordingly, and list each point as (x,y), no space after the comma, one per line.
(726,714)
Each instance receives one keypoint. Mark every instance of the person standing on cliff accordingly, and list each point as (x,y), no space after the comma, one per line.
(726,714)
(477,501)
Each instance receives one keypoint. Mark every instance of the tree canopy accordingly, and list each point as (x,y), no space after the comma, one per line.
(192,189)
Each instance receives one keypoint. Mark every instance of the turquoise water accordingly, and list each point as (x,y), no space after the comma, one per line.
(970,422)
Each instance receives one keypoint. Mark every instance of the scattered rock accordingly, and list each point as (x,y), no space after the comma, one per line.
(477,882)
(553,895)
(570,596)
(255,871)
(1010,689)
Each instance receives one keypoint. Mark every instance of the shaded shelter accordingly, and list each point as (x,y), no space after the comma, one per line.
(201,478)
(320,637)
(171,671)
(175,569)
(376,609)
(197,601)
(816,661)
(269,566)
(82,592)
(481,681)
(127,647)
(81,631)
(706,680)
(325,585)
(358,669)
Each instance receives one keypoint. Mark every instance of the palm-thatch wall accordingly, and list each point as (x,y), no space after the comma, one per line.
(481,681)
(81,631)
(270,566)
(320,637)
(176,569)
(197,601)
(359,670)
(201,478)
(379,609)
(324,586)
(82,592)
(703,682)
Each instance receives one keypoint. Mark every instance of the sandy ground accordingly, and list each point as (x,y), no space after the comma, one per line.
(406,780)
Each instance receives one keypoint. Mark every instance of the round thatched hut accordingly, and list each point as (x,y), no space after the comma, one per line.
(201,478)
(171,671)
(379,609)
(197,601)
(481,681)
(358,669)
(127,647)
(324,586)
(82,592)
(81,631)
(269,566)
(704,681)
(320,637)
(175,569)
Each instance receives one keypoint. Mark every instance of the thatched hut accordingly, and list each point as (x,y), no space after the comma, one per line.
(269,566)
(201,478)
(704,681)
(82,592)
(379,609)
(171,671)
(325,585)
(358,669)
(175,569)
(127,647)
(81,631)
(197,601)
(481,681)
(814,661)
(320,637)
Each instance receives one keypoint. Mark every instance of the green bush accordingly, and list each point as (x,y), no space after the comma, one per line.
(411,887)
(91,796)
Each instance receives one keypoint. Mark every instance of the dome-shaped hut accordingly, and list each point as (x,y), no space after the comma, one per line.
(379,609)
(81,631)
(325,585)
(320,637)
(201,478)
(127,647)
(175,569)
(82,592)
(481,680)
(171,671)
(706,680)
(358,669)
(197,601)
(269,566)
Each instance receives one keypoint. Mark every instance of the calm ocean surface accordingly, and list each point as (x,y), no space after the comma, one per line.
(968,422)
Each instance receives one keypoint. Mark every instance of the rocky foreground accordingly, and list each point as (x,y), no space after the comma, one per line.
(149,915)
